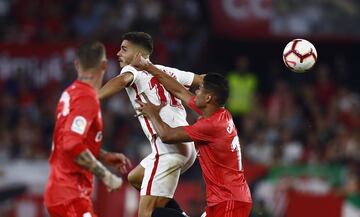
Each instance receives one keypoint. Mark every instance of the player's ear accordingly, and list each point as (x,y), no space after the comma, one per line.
(144,53)
(77,64)
(104,65)
(208,98)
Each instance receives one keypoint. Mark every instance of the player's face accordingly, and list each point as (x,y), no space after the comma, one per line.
(126,53)
(201,96)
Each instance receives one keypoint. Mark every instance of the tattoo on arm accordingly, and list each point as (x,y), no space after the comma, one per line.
(102,154)
(87,160)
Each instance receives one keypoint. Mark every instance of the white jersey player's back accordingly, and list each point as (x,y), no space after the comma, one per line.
(173,113)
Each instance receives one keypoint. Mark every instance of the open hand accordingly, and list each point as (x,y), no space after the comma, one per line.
(118,160)
(139,62)
(147,108)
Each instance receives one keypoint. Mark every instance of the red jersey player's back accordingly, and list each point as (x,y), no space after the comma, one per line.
(78,127)
(220,157)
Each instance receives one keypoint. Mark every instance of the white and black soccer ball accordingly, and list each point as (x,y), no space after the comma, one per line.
(299,55)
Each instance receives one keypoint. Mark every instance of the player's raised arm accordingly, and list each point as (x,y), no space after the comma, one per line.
(198,80)
(165,132)
(115,85)
(170,84)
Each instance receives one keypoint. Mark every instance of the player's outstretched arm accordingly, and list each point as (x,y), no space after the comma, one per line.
(117,160)
(198,80)
(170,84)
(87,160)
(165,132)
(115,85)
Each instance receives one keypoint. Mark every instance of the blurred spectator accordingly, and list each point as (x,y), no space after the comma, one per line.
(292,148)
(325,88)
(85,21)
(243,86)
(260,151)
(349,108)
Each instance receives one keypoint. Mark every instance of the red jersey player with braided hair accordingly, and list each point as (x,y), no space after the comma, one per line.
(215,136)
(76,154)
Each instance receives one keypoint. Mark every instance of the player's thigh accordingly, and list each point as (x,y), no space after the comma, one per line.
(80,207)
(147,204)
(56,211)
(242,209)
(136,176)
(229,209)
(191,157)
(161,175)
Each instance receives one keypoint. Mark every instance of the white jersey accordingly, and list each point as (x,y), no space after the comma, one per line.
(173,113)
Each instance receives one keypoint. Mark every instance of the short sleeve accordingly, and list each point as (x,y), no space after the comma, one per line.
(132,70)
(183,77)
(192,105)
(83,112)
(201,131)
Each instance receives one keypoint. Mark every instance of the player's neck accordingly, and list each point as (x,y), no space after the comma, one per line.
(93,79)
(209,110)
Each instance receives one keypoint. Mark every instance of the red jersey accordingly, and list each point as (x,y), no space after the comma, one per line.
(220,156)
(78,127)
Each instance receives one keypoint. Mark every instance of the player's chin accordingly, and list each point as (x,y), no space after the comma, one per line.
(122,64)
(197,104)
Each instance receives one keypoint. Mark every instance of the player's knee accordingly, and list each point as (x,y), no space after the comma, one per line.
(145,212)
(133,180)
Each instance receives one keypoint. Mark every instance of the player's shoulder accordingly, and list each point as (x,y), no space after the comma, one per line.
(166,68)
(159,66)
(81,92)
(130,69)
(219,118)
(173,72)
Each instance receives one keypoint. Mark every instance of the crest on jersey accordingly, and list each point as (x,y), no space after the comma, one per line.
(79,125)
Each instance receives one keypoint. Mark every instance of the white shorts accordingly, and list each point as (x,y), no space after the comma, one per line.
(162,173)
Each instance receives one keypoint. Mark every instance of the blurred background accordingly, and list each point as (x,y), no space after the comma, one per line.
(300,133)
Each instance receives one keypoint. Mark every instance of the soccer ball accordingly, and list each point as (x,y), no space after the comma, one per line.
(299,55)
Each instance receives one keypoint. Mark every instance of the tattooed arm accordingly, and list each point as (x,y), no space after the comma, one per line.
(87,160)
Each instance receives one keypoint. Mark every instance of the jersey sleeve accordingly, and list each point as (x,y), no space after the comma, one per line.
(132,70)
(192,105)
(201,131)
(83,112)
(183,77)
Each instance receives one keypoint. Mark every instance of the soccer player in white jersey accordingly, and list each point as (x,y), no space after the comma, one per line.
(157,175)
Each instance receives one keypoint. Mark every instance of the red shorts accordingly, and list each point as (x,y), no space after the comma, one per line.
(79,207)
(229,208)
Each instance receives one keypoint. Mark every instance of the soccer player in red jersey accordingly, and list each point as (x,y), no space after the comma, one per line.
(77,138)
(215,136)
